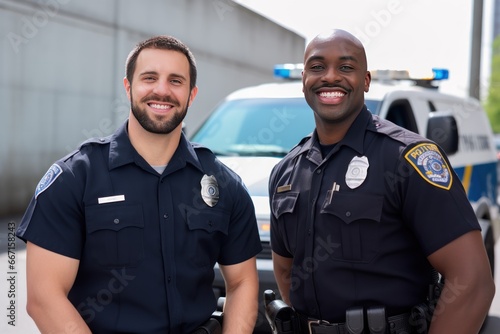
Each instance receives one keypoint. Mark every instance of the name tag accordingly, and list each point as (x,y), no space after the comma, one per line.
(284,188)
(111,199)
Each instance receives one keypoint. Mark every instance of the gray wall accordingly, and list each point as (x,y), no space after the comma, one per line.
(62,65)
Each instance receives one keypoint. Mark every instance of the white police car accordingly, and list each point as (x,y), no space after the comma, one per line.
(254,127)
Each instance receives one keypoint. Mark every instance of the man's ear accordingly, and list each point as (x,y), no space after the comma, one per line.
(192,95)
(368,80)
(126,84)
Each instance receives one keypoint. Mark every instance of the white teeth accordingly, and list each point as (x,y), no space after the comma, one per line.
(331,94)
(159,106)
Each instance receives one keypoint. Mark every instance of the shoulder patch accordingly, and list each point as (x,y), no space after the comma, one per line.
(50,176)
(430,164)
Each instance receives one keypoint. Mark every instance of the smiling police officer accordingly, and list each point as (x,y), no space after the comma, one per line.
(364,210)
(123,234)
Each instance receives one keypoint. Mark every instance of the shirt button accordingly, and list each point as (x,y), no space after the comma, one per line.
(165,216)
(116,221)
(318,171)
(169,279)
(348,214)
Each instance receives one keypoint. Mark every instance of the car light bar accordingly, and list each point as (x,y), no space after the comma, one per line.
(387,75)
(440,73)
(288,71)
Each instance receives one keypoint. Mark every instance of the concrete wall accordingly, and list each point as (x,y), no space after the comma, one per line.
(62,65)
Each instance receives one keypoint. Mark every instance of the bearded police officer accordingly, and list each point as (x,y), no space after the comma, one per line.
(123,234)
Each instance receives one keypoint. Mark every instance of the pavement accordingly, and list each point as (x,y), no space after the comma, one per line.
(15,320)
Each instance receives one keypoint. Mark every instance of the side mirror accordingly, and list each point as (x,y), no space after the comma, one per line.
(442,129)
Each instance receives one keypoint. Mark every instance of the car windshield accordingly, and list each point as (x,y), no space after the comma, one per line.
(256,127)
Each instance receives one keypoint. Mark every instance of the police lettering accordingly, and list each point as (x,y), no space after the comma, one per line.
(474,143)
(415,153)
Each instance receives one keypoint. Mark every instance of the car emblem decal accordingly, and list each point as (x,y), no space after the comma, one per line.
(209,190)
(356,172)
(430,164)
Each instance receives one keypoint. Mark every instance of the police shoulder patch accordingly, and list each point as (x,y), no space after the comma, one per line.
(430,164)
(50,176)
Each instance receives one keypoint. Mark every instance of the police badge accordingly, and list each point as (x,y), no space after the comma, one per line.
(356,172)
(209,190)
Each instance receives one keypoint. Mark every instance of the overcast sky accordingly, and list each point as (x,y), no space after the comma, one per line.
(397,34)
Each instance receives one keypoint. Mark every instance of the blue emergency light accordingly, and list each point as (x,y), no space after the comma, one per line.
(288,71)
(440,74)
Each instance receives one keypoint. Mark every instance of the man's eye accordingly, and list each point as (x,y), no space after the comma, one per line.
(345,68)
(176,81)
(316,68)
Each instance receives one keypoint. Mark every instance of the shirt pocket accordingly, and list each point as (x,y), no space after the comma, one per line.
(284,203)
(115,234)
(210,221)
(208,229)
(285,233)
(360,222)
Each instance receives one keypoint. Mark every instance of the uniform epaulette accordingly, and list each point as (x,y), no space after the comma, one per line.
(198,146)
(396,132)
(99,140)
(203,150)
(90,141)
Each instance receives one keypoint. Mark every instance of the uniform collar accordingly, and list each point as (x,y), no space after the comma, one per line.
(121,152)
(354,137)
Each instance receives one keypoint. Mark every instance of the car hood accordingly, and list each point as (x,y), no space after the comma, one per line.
(254,171)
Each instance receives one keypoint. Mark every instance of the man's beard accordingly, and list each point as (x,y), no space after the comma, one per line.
(158,126)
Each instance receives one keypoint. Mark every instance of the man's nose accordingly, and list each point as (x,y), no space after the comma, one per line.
(331,75)
(162,88)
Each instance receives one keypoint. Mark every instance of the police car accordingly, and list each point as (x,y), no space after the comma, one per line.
(254,127)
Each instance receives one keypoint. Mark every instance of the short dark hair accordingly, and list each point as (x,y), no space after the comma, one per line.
(162,42)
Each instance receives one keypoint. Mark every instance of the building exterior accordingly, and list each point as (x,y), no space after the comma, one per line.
(62,68)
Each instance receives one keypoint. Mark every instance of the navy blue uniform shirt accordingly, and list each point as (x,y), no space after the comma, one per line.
(360,222)
(147,243)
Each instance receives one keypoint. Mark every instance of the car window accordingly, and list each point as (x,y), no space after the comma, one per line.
(373,106)
(256,127)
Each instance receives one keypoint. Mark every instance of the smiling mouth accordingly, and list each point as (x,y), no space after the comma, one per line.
(331,94)
(160,106)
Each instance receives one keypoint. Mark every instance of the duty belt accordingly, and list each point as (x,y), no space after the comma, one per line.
(356,324)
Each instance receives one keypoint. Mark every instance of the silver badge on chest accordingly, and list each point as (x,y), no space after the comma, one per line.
(356,172)
(209,190)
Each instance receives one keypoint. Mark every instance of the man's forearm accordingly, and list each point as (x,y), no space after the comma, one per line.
(461,310)
(240,309)
(58,318)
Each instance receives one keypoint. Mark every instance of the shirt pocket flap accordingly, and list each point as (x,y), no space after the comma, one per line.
(210,220)
(113,217)
(352,207)
(284,203)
